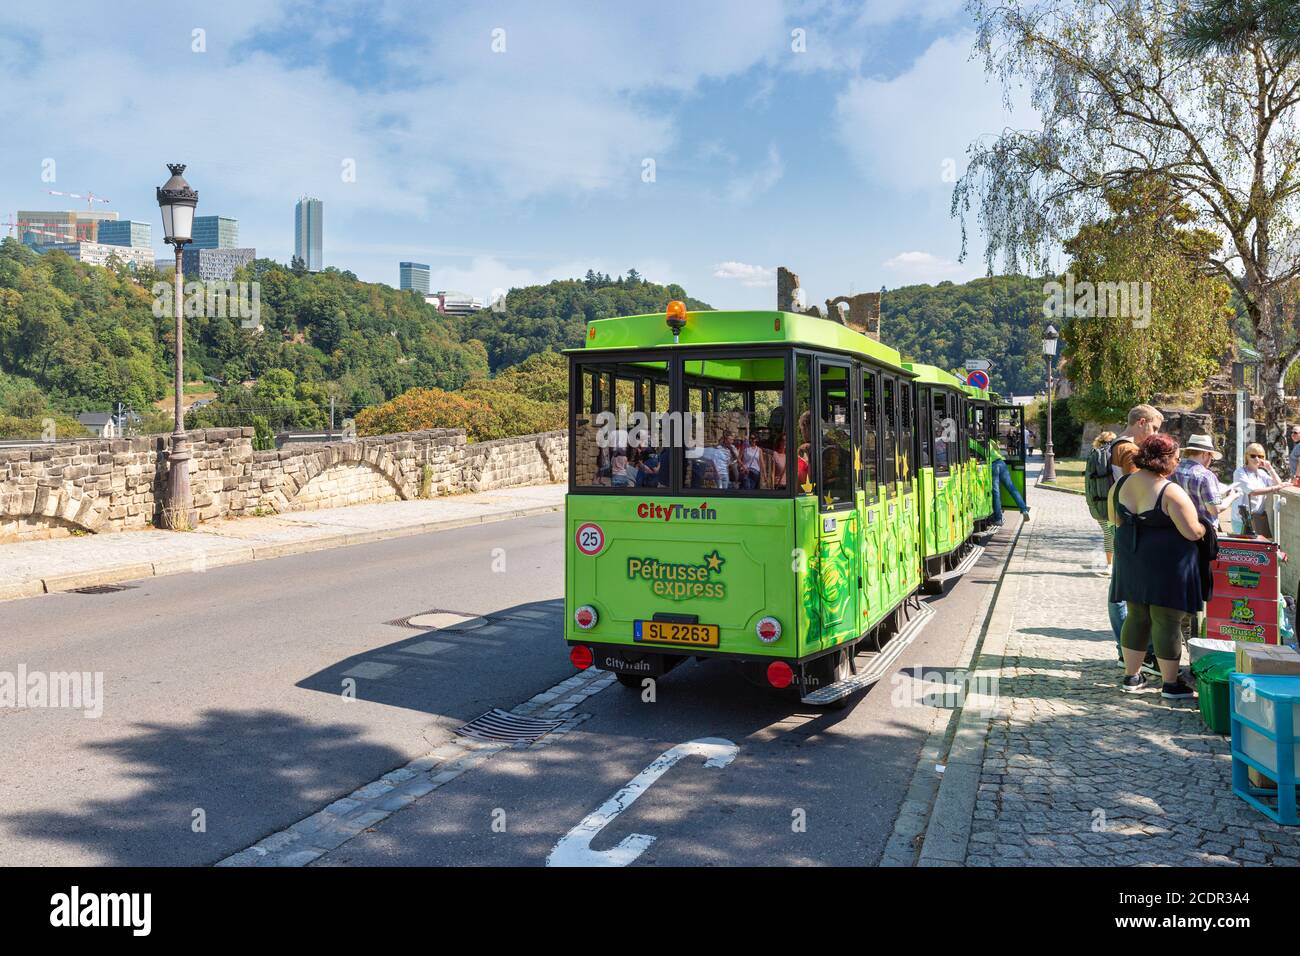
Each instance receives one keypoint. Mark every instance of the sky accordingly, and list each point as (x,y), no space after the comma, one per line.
(506,144)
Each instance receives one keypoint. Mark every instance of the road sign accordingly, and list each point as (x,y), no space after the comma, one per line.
(979,379)
(978,365)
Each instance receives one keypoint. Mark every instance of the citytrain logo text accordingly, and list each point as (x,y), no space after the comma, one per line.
(676,512)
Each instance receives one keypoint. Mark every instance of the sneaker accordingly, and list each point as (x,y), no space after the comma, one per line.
(1024,515)
(1151,666)
(1176,691)
(1134,684)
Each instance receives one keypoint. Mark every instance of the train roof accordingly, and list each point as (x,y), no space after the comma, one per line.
(724,328)
(933,375)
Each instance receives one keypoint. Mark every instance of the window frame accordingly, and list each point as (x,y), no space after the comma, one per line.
(581,364)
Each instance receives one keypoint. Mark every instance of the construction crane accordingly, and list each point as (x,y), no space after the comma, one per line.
(90,198)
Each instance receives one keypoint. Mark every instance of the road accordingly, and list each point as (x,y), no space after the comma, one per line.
(225,719)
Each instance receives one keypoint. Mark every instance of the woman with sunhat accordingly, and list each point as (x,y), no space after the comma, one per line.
(1257,481)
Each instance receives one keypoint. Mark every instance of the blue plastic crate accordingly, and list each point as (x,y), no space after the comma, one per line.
(1265,720)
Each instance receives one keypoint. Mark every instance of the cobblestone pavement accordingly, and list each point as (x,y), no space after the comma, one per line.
(1075,772)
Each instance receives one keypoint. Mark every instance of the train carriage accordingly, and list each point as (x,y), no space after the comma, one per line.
(761,487)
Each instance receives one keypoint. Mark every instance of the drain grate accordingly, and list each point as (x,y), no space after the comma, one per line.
(103,588)
(505,727)
(439,619)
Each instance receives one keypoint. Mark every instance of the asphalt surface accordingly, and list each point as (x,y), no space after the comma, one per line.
(224,702)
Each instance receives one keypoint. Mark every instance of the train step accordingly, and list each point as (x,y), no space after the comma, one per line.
(937,583)
(873,665)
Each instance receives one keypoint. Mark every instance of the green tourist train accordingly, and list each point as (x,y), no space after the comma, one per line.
(769,488)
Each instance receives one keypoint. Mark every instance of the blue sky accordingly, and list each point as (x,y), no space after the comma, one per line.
(507,166)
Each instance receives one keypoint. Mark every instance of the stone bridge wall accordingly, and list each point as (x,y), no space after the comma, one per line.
(104,485)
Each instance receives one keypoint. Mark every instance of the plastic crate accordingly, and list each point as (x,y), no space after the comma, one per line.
(1264,710)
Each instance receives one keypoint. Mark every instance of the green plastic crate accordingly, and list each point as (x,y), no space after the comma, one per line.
(1213,672)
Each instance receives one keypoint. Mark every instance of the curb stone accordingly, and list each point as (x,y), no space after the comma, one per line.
(918,807)
(947,836)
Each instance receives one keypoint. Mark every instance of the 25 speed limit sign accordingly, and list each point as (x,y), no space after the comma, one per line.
(590,539)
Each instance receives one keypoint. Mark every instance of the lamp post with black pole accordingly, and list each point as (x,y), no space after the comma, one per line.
(1050,339)
(177,201)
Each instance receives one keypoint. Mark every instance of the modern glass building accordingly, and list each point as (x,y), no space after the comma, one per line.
(126,232)
(41,227)
(414,275)
(215,232)
(307,233)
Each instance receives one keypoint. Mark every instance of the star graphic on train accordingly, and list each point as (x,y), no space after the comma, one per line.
(715,561)
(807,487)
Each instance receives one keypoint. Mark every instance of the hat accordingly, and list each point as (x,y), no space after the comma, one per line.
(1202,443)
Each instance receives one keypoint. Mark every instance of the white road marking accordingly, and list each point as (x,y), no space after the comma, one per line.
(574,848)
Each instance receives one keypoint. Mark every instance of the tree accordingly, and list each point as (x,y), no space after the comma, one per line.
(1121,99)
(1229,26)
(1175,331)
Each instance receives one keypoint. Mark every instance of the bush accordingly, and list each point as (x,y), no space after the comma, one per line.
(484,411)
(1067,430)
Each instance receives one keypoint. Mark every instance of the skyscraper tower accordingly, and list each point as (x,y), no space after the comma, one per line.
(307,233)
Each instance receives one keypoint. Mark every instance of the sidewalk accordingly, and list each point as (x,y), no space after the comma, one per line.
(29,568)
(1061,768)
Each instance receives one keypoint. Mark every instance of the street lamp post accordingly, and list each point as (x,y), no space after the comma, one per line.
(1050,339)
(177,201)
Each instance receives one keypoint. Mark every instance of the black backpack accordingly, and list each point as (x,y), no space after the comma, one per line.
(1098,478)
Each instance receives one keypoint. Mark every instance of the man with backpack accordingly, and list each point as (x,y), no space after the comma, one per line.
(1113,460)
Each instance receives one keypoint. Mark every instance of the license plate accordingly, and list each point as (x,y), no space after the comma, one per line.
(670,632)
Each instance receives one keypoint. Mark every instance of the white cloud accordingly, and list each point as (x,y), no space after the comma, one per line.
(911,132)
(924,267)
(746,274)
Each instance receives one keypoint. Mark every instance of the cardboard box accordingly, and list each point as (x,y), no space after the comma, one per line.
(1265,659)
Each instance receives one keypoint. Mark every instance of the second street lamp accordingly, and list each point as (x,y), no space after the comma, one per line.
(177,201)
(1050,339)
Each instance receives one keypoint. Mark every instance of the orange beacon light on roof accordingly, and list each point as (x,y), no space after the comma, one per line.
(676,318)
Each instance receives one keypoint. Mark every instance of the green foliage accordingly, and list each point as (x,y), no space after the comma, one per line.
(1115,361)
(555,315)
(999,319)
(1067,427)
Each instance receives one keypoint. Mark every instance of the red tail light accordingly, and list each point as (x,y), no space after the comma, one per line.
(581,656)
(779,674)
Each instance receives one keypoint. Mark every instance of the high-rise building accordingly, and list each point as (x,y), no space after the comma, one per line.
(126,232)
(307,235)
(215,232)
(38,227)
(414,275)
(206,264)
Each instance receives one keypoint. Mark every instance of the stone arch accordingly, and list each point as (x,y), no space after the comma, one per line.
(348,482)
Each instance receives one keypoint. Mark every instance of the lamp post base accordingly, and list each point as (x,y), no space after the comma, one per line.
(178,508)
(1049,464)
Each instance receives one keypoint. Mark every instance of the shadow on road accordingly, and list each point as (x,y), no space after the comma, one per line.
(246,772)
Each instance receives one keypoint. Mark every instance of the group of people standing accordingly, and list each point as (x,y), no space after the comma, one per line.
(1160,520)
